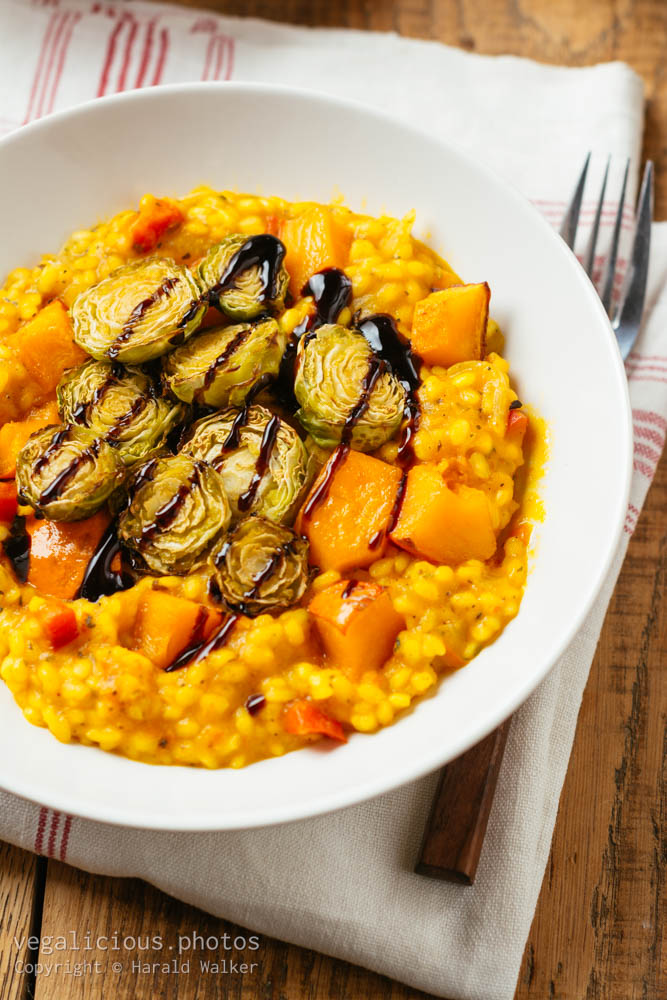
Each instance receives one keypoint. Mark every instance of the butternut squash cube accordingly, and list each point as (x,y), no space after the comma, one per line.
(60,552)
(313,240)
(357,624)
(346,530)
(441,524)
(44,345)
(166,625)
(450,326)
(15,433)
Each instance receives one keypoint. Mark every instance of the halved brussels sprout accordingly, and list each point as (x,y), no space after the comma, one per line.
(67,473)
(221,365)
(345,391)
(244,275)
(139,312)
(263,462)
(177,509)
(261,566)
(120,405)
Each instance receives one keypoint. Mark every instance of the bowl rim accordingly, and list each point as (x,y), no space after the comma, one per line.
(75,803)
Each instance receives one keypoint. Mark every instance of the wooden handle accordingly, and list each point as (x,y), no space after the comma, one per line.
(455,829)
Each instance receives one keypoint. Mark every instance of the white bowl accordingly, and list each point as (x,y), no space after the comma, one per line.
(72,169)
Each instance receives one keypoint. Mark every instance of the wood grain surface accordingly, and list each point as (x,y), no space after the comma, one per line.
(599,925)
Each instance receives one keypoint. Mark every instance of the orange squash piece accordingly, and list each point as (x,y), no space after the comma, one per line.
(15,433)
(60,552)
(156,216)
(166,625)
(313,240)
(441,524)
(346,530)
(450,326)
(303,718)
(44,345)
(357,624)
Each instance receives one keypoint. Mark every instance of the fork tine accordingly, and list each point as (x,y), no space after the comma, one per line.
(568,228)
(589,259)
(610,269)
(628,315)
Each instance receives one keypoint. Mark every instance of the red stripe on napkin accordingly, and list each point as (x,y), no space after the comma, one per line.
(163,48)
(146,53)
(65,840)
(127,55)
(46,42)
(41,827)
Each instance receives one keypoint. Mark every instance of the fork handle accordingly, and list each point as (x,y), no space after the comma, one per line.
(455,829)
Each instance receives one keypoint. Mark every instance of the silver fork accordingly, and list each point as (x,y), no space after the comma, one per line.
(625,315)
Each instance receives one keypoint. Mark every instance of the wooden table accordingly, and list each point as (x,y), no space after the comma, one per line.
(598,928)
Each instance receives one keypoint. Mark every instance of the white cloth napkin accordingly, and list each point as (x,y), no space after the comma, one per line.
(343,883)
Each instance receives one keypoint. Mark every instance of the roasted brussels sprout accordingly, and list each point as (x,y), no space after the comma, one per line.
(344,391)
(139,312)
(67,473)
(260,566)
(244,275)
(177,509)
(221,365)
(120,405)
(263,462)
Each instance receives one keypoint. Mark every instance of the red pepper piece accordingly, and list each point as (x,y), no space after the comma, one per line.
(303,719)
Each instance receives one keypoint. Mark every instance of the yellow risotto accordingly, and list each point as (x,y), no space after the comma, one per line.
(264,479)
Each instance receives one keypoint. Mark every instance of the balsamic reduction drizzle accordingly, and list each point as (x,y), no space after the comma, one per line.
(376,368)
(233,439)
(100,579)
(138,313)
(196,652)
(17,548)
(54,444)
(349,589)
(321,492)
(230,350)
(140,403)
(255,703)
(269,436)
(263,251)
(167,513)
(55,488)
(390,351)
(331,290)
(388,345)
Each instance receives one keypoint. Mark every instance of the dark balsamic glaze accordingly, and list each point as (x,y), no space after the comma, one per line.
(331,290)
(265,574)
(138,314)
(349,589)
(376,368)
(123,422)
(54,444)
(265,252)
(516,404)
(398,503)
(82,411)
(233,439)
(230,350)
(255,703)
(195,653)
(54,489)
(321,491)
(17,548)
(100,579)
(167,513)
(269,436)
(388,345)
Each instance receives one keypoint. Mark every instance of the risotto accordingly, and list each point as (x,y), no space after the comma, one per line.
(264,479)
